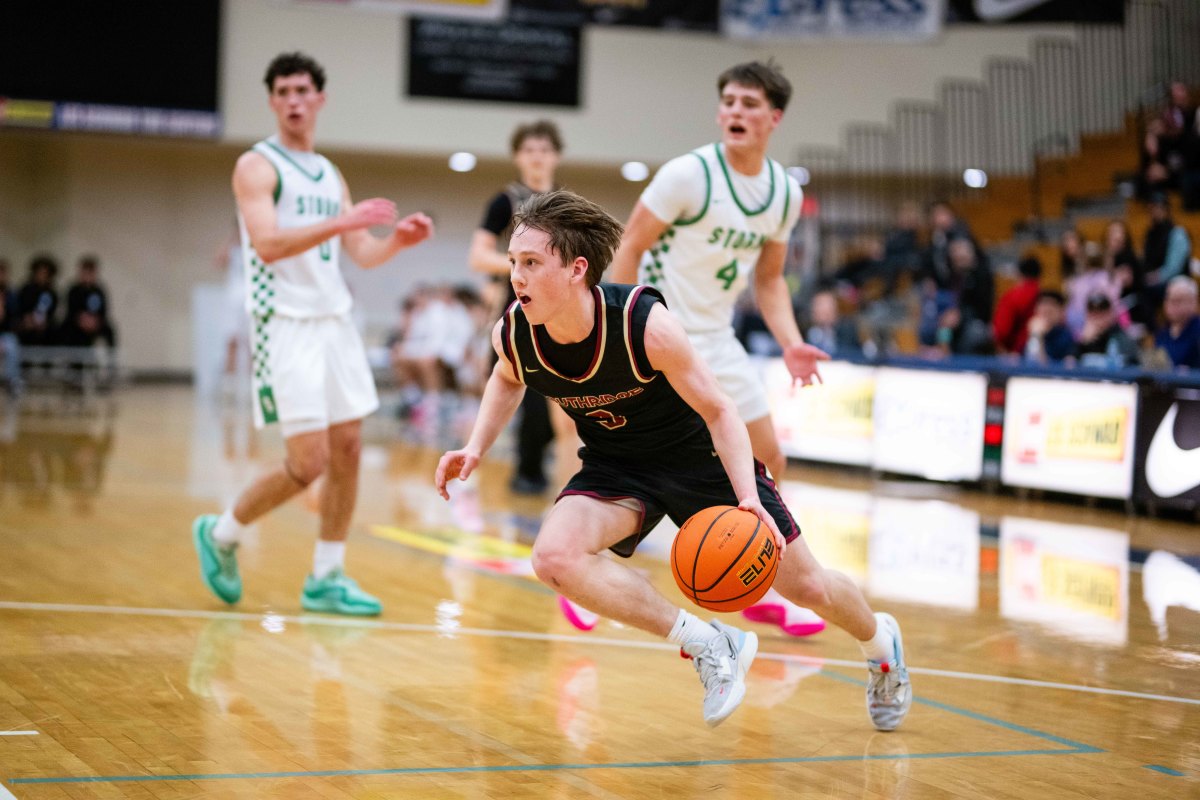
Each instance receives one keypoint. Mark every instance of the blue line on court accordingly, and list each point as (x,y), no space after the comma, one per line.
(1165,770)
(1073,748)
(1076,747)
(724,762)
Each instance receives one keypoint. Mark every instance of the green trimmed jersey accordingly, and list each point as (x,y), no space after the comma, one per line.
(719,221)
(308,189)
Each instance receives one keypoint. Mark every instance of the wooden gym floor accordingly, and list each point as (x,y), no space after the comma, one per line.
(1054,648)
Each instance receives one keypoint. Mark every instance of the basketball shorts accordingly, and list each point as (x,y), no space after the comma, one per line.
(736,373)
(661,492)
(310,373)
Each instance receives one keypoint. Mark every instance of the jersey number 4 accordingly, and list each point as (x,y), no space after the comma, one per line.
(728,274)
(608,419)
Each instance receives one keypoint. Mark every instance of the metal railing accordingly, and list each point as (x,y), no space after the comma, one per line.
(1022,109)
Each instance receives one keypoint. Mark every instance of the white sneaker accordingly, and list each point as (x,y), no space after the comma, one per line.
(722,665)
(889,694)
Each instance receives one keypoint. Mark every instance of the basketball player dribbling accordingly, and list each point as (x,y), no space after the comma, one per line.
(708,221)
(310,368)
(660,439)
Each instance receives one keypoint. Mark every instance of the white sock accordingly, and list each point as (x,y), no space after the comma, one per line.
(327,557)
(228,531)
(879,647)
(690,628)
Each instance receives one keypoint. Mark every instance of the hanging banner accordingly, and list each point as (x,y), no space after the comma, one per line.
(502,62)
(469,9)
(910,20)
(1006,11)
(1168,448)
(684,15)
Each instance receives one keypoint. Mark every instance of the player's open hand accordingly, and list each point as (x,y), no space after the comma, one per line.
(413,229)
(801,360)
(454,464)
(376,211)
(756,508)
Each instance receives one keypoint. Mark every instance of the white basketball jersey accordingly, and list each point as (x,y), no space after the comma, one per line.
(703,262)
(308,190)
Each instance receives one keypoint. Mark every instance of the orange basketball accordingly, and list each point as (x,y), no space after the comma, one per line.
(724,558)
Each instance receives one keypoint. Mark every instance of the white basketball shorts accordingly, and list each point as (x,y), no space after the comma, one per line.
(309,373)
(737,374)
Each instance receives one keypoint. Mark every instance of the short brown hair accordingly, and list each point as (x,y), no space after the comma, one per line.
(541,129)
(767,77)
(296,63)
(577,227)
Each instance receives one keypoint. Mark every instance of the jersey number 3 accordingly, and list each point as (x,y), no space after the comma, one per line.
(608,419)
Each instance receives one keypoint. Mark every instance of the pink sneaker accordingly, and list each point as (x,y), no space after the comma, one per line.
(794,620)
(580,617)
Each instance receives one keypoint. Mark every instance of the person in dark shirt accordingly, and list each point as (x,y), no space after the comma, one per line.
(37,303)
(1048,339)
(536,150)
(1102,343)
(660,439)
(1179,338)
(86,320)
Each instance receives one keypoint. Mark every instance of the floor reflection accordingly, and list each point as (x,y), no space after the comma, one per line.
(56,448)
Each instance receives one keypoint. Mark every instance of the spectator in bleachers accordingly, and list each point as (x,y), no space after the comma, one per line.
(1070,249)
(1102,343)
(1179,338)
(37,303)
(1167,251)
(830,331)
(958,318)
(945,228)
(1049,340)
(1094,279)
(1015,308)
(864,263)
(1178,119)
(1154,168)
(86,320)
(10,348)
(1127,269)
(902,248)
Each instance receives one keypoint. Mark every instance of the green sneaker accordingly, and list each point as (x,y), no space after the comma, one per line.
(337,593)
(218,565)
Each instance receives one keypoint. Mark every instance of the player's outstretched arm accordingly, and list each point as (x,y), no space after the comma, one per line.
(775,305)
(641,232)
(370,251)
(254,190)
(671,353)
(501,397)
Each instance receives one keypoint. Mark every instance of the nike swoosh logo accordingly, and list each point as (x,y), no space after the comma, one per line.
(1171,470)
(528,370)
(1004,9)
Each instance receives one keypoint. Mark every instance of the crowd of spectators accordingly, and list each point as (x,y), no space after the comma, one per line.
(30,314)
(1116,304)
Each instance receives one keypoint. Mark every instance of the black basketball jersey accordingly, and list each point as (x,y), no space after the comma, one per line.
(622,408)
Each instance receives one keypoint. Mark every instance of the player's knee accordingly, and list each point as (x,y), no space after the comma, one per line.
(307,467)
(554,563)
